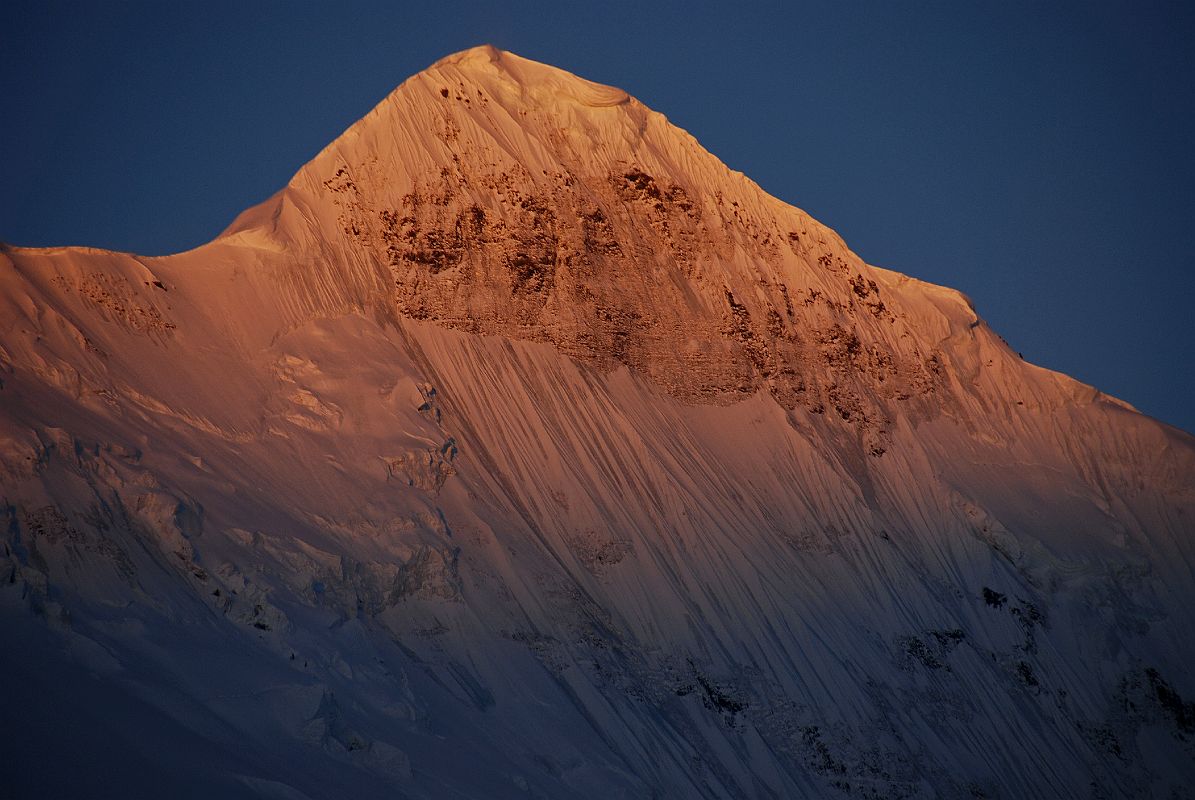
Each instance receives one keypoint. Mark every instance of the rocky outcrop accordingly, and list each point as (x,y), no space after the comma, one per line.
(427,469)
(622,268)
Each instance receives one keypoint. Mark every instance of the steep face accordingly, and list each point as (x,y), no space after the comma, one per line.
(504,197)
(516,425)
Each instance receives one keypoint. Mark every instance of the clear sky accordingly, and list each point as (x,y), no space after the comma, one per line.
(1039,156)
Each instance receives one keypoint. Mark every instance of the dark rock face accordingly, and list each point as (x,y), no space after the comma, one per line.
(624,269)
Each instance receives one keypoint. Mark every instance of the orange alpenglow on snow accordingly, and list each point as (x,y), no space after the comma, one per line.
(518,446)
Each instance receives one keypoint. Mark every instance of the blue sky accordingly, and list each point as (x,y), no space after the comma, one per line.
(1037,156)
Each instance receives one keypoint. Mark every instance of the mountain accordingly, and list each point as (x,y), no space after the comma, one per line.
(519,448)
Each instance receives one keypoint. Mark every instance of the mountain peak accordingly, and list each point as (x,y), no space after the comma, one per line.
(485,63)
(516,425)
(486,53)
(493,194)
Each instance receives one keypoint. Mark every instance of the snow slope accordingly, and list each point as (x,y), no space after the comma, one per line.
(517,447)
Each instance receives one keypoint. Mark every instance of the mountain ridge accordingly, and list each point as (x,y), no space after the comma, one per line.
(489,60)
(520,429)
(484,67)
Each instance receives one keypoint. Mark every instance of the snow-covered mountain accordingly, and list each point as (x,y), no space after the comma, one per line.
(519,448)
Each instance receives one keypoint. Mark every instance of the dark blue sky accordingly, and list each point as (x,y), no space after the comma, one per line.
(1039,156)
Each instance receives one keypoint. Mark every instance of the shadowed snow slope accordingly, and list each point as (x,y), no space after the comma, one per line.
(519,448)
